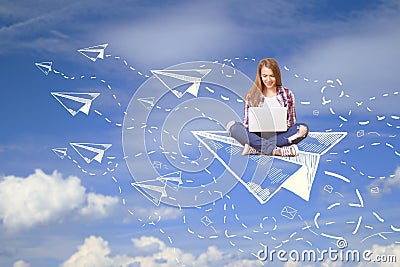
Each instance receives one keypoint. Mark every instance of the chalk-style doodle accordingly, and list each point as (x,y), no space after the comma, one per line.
(157,164)
(75,102)
(173,179)
(375,190)
(91,151)
(294,174)
(166,144)
(147,102)
(206,221)
(328,188)
(185,163)
(45,67)
(173,79)
(360,133)
(60,152)
(288,212)
(94,52)
(154,185)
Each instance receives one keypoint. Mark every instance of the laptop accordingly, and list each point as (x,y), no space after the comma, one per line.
(267,119)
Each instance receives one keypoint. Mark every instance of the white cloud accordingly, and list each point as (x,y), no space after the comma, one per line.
(382,256)
(243,263)
(153,252)
(159,254)
(297,264)
(148,244)
(38,199)
(21,263)
(41,198)
(94,252)
(396,180)
(98,205)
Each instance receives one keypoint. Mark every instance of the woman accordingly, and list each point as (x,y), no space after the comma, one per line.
(268,88)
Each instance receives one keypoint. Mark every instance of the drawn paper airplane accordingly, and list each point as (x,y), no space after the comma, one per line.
(155,186)
(75,102)
(61,152)
(174,80)
(91,151)
(93,52)
(262,176)
(147,102)
(269,174)
(45,67)
(172,179)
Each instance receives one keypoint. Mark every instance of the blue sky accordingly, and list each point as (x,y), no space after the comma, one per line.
(339,58)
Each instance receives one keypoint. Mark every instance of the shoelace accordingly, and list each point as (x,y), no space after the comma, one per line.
(252,150)
(287,151)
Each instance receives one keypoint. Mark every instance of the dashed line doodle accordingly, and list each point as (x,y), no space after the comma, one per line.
(174,129)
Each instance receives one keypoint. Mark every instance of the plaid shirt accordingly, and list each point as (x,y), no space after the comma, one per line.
(285,98)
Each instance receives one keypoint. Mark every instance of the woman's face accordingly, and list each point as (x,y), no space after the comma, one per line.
(268,78)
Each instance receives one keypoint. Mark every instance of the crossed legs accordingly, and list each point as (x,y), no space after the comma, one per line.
(280,144)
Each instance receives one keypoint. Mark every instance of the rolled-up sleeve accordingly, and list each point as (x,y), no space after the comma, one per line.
(291,109)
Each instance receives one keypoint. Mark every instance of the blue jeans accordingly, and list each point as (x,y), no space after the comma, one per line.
(266,142)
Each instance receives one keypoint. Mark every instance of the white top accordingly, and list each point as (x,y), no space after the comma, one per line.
(271,102)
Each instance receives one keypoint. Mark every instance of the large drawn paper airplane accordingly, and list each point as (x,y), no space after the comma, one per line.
(264,175)
(75,102)
(154,185)
(94,52)
(45,67)
(174,79)
(91,151)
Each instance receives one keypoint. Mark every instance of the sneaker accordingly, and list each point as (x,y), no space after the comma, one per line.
(286,151)
(248,150)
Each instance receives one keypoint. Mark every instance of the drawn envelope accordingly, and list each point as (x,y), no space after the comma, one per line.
(328,188)
(375,190)
(157,165)
(288,212)
(206,221)
(360,133)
